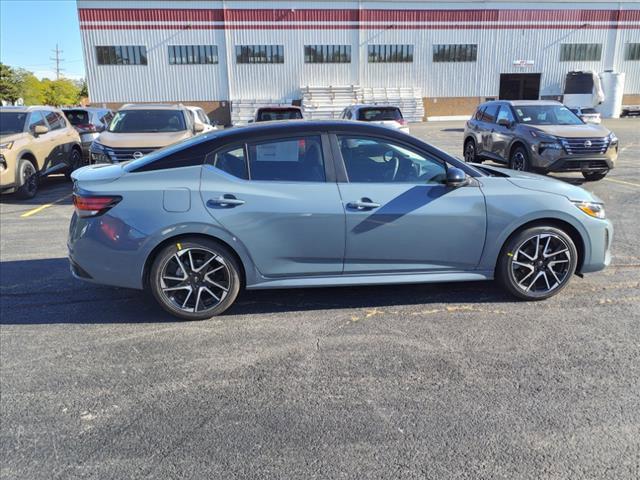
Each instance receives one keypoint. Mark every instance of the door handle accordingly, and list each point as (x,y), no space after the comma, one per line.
(226,200)
(363,204)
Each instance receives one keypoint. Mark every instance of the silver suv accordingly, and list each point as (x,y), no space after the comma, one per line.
(539,135)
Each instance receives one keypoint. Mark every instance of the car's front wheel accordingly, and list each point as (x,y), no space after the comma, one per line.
(594,176)
(519,160)
(28,179)
(195,278)
(537,263)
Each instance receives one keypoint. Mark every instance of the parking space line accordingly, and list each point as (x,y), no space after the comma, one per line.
(622,182)
(42,207)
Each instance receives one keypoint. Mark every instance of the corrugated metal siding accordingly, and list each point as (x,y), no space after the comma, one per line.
(500,43)
(158,81)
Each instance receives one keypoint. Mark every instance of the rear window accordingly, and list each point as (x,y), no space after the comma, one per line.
(287,160)
(266,115)
(147,121)
(77,117)
(379,114)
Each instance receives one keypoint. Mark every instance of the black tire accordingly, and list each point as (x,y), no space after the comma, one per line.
(27,175)
(470,153)
(519,160)
(165,266)
(594,176)
(513,276)
(75,162)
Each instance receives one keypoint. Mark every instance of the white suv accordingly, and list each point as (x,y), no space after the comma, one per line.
(387,115)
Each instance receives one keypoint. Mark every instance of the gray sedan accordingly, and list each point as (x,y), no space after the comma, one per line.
(316,204)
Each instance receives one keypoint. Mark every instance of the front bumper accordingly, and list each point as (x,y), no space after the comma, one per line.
(558,160)
(598,255)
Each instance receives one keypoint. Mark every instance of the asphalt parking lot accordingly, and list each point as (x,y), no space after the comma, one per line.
(420,381)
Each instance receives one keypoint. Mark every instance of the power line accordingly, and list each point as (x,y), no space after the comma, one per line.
(57,59)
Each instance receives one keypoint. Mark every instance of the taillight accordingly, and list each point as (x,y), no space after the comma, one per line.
(89,206)
(87,127)
(402,121)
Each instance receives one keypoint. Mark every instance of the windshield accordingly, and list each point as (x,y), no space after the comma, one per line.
(77,117)
(279,114)
(379,114)
(147,121)
(546,115)
(12,122)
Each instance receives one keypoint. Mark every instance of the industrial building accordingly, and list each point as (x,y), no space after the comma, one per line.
(451,54)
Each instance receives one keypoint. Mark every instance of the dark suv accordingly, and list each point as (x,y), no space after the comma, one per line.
(539,135)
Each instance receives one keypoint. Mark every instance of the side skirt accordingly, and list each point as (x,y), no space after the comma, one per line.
(387,279)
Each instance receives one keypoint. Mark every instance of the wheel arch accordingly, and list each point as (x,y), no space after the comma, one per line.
(175,239)
(515,144)
(575,235)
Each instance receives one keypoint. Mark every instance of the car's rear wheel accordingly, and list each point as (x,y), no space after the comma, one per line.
(470,153)
(519,160)
(195,278)
(537,262)
(27,178)
(594,176)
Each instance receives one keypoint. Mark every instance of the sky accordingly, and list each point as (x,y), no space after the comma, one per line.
(29,31)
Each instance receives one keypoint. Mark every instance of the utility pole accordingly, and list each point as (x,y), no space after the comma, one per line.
(57,59)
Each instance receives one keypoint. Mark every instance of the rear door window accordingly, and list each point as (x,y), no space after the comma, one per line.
(291,159)
(505,114)
(478,114)
(55,121)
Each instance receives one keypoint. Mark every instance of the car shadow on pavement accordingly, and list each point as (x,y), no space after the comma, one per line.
(44,292)
(50,190)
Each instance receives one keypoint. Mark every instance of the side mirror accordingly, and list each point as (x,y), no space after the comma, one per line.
(456,178)
(198,127)
(40,130)
(504,122)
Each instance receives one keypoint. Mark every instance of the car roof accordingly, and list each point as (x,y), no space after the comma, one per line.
(88,109)
(152,106)
(288,127)
(374,105)
(25,109)
(518,103)
(278,107)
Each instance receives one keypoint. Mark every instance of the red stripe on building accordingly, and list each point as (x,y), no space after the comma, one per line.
(442,26)
(352,15)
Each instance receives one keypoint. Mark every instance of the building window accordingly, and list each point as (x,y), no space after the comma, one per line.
(580,51)
(632,51)
(455,53)
(390,53)
(122,55)
(260,54)
(327,54)
(192,54)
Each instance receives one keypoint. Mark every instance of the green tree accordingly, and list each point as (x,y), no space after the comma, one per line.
(10,84)
(30,87)
(60,92)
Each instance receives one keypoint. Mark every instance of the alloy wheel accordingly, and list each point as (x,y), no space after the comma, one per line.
(518,162)
(195,279)
(29,179)
(541,264)
(469,153)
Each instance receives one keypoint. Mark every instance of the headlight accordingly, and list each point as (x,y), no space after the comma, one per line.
(99,153)
(544,137)
(6,145)
(595,210)
(612,138)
